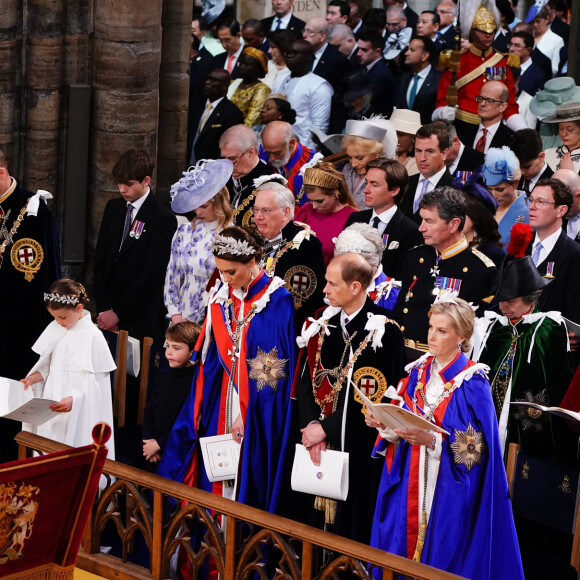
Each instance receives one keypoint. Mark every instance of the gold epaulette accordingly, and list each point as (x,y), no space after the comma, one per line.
(488,263)
(445,58)
(513,60)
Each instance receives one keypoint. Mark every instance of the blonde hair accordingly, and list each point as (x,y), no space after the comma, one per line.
(367,145)
(344,195)
(221,207)
(462,317)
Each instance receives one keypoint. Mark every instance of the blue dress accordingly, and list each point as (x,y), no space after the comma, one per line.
(517,213)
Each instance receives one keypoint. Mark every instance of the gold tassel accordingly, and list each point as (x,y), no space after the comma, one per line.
(328,506)
(421,538)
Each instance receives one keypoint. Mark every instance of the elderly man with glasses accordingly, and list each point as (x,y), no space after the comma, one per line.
(292,251)
(240,145)
(492,102)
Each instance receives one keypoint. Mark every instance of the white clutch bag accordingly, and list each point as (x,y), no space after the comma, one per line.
(329,479)
(221,455)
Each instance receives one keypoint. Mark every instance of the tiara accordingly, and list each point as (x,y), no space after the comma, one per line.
(62,298)
(228,245)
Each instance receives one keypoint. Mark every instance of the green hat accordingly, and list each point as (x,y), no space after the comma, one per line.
(556,92)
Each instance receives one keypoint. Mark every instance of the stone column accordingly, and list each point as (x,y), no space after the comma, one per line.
(173,93)
(9,74)
(44,65)
(125,80)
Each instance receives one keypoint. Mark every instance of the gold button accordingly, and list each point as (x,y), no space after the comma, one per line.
(421,260)
(410,295)
(402,328)
(414,277)
(405,310)
(465,269)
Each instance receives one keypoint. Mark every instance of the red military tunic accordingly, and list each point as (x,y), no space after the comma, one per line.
(471,59)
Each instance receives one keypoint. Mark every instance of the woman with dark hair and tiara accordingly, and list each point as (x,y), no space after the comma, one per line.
(246,357)
(73,369)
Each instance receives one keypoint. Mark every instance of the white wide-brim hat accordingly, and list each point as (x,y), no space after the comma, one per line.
(406,121)
(199,184)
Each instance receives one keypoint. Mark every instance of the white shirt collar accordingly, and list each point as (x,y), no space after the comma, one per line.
(215,103)
(433,180)
(344,316)
(285,21)
(547,244)
(319,52)
(370,66)
(536,178)
(453,167)
(525,65)
(423,74)
(139,202)
(385,216)
(491,130)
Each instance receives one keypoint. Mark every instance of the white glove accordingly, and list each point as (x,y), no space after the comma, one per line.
(517,122)
(444,114)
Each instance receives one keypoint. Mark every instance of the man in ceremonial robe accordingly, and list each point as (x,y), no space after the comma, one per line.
(351,342)
(479,64)
(29,263)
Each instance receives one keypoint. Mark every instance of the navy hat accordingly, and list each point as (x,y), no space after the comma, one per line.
(473,188)
(199,184)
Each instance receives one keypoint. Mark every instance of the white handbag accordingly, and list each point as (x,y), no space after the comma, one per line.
(329,479)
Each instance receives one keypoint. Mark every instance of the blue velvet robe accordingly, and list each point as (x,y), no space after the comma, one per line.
(266,411)
(471,530)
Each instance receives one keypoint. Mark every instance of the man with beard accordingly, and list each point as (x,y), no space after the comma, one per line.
(286,154)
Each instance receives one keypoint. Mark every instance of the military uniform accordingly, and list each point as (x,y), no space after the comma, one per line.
(29,263)
(426,271)
(297,258)
(491,69)
(373,371)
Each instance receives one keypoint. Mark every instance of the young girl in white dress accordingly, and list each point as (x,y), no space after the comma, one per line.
(74,369)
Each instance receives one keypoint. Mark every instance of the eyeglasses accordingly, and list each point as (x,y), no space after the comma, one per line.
(394,23)
(444,12)
(539,203)
(235,160)
(309,32)
(487,100)
(266,212)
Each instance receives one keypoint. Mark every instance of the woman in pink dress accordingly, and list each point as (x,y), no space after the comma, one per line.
(330,204)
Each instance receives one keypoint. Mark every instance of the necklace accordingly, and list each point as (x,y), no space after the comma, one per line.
(8,235)
(270,264)
(244,203)
(319,375)
(236,338)
(447,390)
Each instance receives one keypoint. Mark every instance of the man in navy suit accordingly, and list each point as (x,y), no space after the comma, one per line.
(213,117)
(431,150)
(447,11)
(337,12)
(229,35)
(342,37)
(412,16)
(554,254)
(284,19)
(386,181)
(460,157)
(529,149)
(132,253)
(532,77)
(370,54)
(572,221)
(538,57)
(417,89)
(254,35)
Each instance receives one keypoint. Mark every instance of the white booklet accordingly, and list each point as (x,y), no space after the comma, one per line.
(21,405)
(558,411)
(221,455)
(394,417)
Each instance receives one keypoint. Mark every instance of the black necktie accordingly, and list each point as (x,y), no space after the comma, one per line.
(376,222)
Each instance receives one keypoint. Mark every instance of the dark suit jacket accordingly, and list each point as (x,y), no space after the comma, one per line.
(219,61)
(424,100)
(333,66)
(447,39)
(224,116)
(467,132)
(561,28)
(354,61)
(295,26)
(542,61)
(501,43)
(470,160)
(546,174)
(412,18)
(382,82)
(130,280)
(406,204)
(532,80)
(562,292)
(400,229)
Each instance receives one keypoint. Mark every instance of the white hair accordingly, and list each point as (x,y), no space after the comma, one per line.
(282,195)
(240,137)
(363,239)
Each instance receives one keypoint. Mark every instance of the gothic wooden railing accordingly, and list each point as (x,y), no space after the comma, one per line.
(135,506)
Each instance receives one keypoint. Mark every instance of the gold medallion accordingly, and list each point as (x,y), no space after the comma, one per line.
(301,283)
(27,256)
(468,447)
(372,383)
(267,369)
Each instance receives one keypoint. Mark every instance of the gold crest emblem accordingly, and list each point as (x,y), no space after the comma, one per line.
(27,256)
(17,513)
(267,369)
(248,219)
(468,447)
(301,282)
(372,383)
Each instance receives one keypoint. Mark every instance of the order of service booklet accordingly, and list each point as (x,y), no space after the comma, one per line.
(21,405)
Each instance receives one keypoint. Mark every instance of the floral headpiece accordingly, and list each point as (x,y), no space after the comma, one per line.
(228,245)
(62,298)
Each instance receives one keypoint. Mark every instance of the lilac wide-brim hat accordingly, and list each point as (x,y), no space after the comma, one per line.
(199,184)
